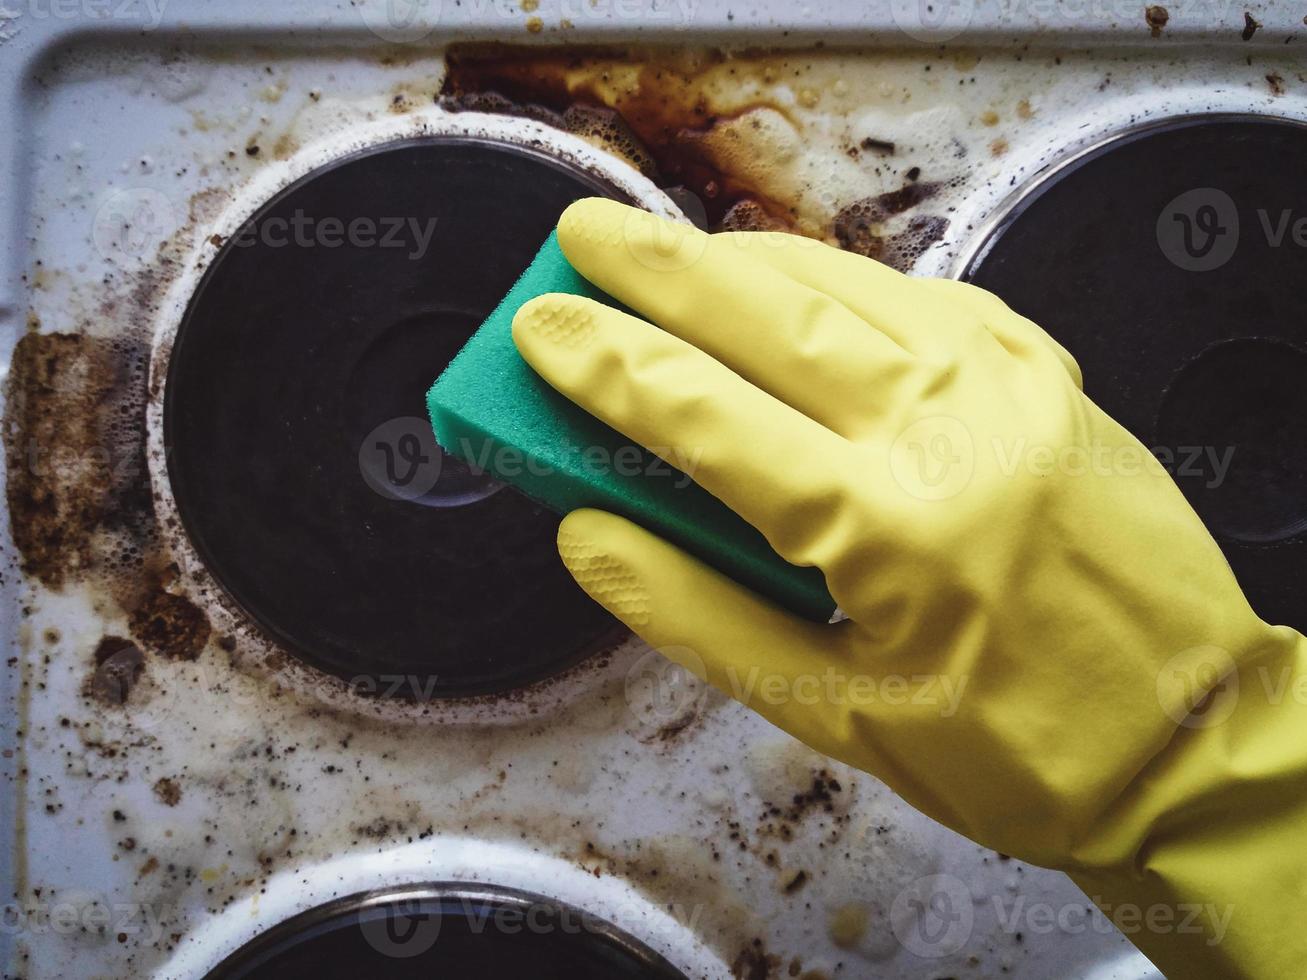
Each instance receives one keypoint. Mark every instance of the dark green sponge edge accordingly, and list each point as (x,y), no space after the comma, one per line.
(491,409)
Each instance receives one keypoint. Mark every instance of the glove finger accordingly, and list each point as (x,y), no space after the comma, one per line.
(815,681)
(799,344)
(918,320)
(770,464)
(725,634)
(1023,338)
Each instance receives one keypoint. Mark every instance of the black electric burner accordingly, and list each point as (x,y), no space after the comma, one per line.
(304,469)
(1171,262)
(446,931)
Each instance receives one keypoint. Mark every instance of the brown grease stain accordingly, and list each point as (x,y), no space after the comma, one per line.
(80,502)
(78,489)
(118,666)
(755,963)
(859,226)
(168,791)
(661,103)
(1156,17)
(170,625)
(656,108)
(58,489)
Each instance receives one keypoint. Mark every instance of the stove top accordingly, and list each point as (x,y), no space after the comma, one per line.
(275,664)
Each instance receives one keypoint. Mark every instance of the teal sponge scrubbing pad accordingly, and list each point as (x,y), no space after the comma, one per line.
(491,409)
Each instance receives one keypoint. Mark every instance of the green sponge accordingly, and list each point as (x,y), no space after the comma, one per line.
(491,409)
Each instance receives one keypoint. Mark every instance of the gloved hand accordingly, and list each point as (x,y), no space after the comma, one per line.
(1084,678)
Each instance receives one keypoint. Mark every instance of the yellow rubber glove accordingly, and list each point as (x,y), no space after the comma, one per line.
(1045,649)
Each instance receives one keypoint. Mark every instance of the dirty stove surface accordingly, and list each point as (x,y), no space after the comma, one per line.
(253,672)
